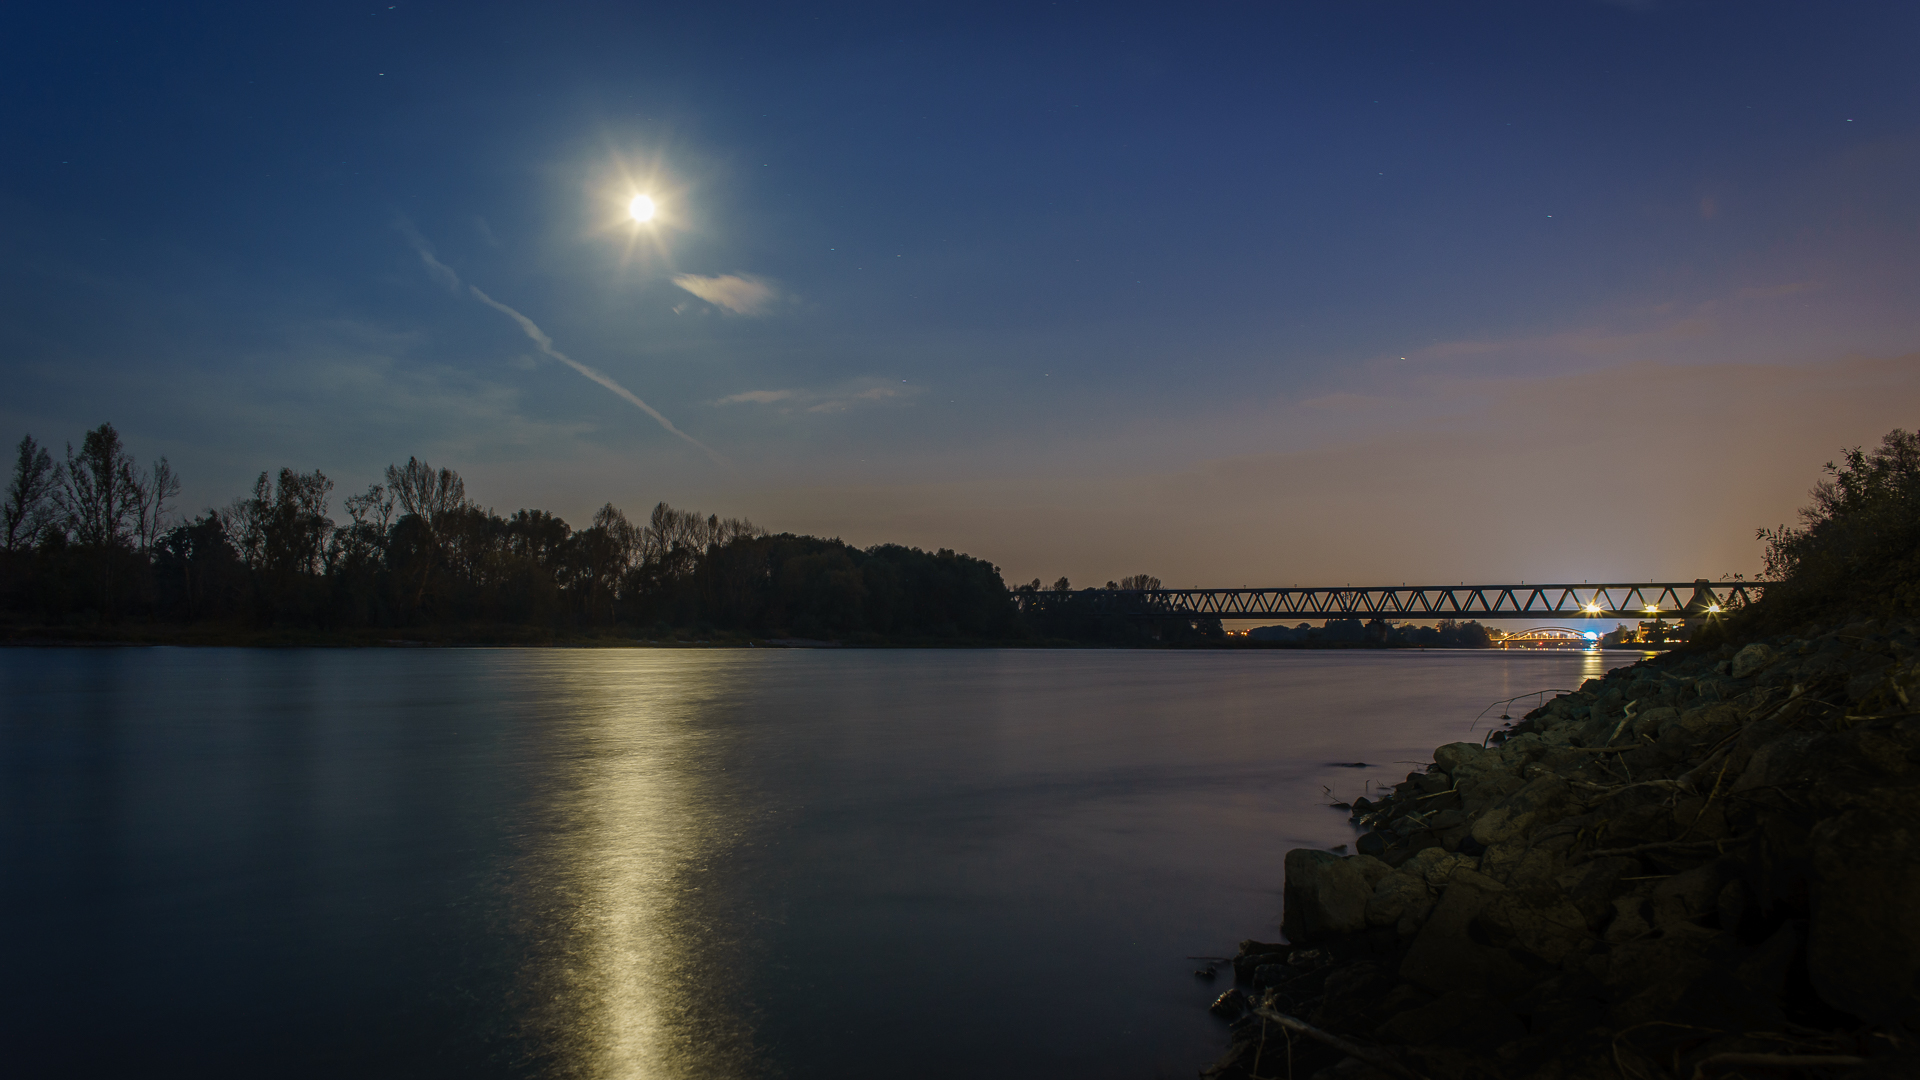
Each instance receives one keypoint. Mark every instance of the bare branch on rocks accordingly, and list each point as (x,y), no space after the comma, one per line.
(1377,1058)
(1774,1061)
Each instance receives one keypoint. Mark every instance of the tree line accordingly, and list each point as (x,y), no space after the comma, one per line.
(1445,634)
(95,538)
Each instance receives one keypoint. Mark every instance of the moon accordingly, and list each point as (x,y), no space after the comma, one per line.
(641,208)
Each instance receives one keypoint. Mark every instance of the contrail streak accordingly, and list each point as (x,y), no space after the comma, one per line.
(438,270)
(546,346)
(445,274)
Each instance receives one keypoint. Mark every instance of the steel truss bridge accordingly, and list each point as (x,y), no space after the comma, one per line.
(1629,600)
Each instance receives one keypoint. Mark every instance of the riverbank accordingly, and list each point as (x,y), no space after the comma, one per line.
(1701,864)
(231,635)
(458,636)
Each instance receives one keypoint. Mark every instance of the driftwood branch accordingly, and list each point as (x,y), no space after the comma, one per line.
(1666,845)
(1608,791)
(1374,1057)
(1777,1061)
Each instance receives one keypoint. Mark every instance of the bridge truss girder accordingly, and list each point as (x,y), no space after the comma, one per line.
(1621,600)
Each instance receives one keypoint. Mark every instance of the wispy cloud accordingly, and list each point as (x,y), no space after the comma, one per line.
(758,397)
(742,294)
(865,392)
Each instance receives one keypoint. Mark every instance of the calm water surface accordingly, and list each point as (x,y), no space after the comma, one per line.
(632,863)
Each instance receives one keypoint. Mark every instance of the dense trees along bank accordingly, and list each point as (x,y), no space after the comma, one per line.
(94,540)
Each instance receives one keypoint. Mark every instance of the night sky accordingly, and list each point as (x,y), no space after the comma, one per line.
(1230,293)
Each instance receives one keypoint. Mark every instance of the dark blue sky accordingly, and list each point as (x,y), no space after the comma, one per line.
(1223,292)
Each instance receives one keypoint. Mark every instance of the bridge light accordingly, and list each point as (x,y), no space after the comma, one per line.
(1713,609)
(1652,609)
(1593,609)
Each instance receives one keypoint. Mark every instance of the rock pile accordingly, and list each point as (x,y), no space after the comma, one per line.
(1702,865)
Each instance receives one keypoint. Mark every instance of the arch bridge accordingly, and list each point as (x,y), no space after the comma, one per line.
(1699,598)
(1558,637)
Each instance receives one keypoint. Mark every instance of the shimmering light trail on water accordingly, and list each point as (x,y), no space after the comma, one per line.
(630,863)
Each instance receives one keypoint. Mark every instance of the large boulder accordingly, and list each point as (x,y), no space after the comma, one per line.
(1539,919)
(1326,895)
(1453,755)
(1370,868)
(1863,947)
(1489,787)
(1709,721)
(1458,1018)
(1591,886)
(1777,762)
(1751,659)
(1445,955)
(1396,895)
(1521,811)
(1436,866)
(1688,897)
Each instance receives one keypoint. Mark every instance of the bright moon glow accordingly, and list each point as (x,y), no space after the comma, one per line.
(641,208)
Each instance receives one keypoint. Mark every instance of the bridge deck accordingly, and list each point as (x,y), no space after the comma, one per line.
(1628,600)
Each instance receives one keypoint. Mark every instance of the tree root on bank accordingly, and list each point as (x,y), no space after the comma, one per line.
(1777,1061)
(1376,1058)
(1664,845)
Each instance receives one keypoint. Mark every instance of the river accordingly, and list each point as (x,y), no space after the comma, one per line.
(651,863)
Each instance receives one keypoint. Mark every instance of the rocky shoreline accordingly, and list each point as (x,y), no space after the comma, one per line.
(1705,864)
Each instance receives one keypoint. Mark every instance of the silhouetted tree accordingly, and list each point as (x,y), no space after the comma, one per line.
(425,492)
(1453,634)
(537,536)
(197,572)
(372,507)
(535,545)
(99,498)
(30,511)
(151,495)
(602,555)
(358,546)
(280,532)
(99,492)
(428,496)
